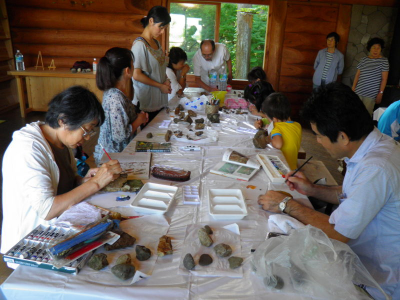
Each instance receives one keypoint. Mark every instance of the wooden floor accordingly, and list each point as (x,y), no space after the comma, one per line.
(13,122)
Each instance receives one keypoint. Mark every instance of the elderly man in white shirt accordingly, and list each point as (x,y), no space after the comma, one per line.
(210,56)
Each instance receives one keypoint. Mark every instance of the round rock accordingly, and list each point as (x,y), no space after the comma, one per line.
(204,238)
(208,229)
(223,250)
(123,271)
(142,253)
(235,262)
(205,260)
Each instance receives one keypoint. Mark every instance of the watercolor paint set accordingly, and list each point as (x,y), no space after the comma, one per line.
(32,250)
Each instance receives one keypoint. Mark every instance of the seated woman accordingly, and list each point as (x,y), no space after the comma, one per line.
(176,71)
(39,170)
(113,76)
(256,92)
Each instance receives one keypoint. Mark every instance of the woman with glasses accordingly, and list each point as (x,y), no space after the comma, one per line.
(150,81)
(113,76)
(39,170)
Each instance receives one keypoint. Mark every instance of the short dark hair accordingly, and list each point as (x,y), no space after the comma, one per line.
(256,73)
(111,66)
(277,106)
(334,35)
(159,14)
(208,41)
(257,92)
(335,108)
(75,106)
(375,41)
(176,54)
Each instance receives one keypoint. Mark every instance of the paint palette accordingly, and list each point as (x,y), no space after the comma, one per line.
(274,167)
(190,194)
(154,198)
(227,204)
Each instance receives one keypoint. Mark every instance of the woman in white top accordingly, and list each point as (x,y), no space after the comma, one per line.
(150,80)
(176,71)
(39,171)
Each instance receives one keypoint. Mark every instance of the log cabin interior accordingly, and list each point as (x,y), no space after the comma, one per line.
(68,31)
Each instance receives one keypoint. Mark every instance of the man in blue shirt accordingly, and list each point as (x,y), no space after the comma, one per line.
(389,122)
(368,215)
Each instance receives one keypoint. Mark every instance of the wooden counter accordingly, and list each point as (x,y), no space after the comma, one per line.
(42,85)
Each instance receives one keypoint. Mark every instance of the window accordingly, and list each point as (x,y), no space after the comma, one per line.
(241,27)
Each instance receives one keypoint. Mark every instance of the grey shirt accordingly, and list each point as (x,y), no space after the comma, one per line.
(153,64)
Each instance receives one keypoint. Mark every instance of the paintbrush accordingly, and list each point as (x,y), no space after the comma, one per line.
(105,151)
(298,169)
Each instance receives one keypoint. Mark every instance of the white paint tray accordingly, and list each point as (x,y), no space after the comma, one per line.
(154,198)
(227,204)
(274,167)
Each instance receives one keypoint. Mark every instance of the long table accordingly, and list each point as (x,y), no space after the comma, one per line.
(165,282)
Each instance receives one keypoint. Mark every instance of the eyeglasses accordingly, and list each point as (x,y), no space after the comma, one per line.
(88,133)
(207,55)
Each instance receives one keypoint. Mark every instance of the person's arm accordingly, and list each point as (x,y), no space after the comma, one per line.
(340,66)
(229,64)
(104,175)
(182,79)
(202,85)
(277,141)
(142,118)
(270,202)
(316,62)
(140,76)
(356,80)
(385,75)
(301,184)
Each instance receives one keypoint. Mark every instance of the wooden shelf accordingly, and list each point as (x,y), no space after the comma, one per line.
(4,38)
(6,78)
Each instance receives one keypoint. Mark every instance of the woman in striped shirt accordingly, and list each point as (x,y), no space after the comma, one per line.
(329,62)
(372,74)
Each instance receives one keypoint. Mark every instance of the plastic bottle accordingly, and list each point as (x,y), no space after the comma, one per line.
(213,76)
(94,66)
(19,61)
(223,78)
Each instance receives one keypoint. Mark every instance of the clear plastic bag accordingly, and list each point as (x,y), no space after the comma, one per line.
(308,263)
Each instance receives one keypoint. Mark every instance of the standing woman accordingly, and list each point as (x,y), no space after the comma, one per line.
(113,76)
(176,71)
(150,81)
(329,62)
(372,74)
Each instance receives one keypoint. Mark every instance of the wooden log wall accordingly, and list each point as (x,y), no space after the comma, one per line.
(68,31)
(299,33)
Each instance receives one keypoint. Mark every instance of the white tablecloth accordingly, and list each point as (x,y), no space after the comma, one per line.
(165,283)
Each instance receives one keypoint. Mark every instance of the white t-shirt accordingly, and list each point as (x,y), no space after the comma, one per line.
(202,67)
(174,78)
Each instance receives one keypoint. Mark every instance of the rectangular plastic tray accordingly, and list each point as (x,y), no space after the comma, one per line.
(154,198)
(274,167)
(227,204)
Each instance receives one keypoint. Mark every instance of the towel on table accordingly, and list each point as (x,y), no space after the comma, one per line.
(283,223)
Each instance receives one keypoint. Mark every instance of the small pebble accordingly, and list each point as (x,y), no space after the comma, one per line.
(188,262)
(205,260)
(208,229)
(235,262)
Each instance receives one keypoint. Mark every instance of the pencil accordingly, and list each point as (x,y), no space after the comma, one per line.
(105,151)
(298,169)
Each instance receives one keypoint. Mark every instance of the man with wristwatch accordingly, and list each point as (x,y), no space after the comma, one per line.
(368,215)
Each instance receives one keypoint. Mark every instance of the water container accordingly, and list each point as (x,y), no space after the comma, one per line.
(94,66)
(19,61)
(213,77)
(223,79)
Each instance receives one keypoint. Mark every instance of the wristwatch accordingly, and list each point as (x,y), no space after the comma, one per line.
(380,92)
(282,205)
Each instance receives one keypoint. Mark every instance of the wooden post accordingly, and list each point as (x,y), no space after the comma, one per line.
(243,46)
